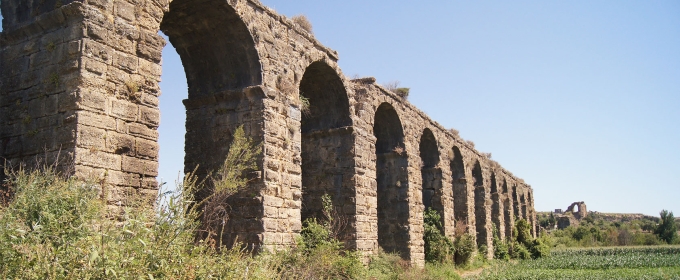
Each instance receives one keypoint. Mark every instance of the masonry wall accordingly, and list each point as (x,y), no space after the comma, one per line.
(80,83)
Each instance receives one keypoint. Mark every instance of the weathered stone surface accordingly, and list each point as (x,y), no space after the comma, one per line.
(81,80)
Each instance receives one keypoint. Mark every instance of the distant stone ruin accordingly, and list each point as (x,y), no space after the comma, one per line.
(572,217)
(79,85)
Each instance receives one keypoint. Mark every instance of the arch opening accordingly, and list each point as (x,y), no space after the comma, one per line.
(431,173)
(515,202)
(327,142)
(507,212)
(460,190)
(392,181)
(220,61)
(496,207)
(216,47)
(481,205)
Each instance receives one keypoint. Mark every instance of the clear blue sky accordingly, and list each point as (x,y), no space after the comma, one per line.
(579,98)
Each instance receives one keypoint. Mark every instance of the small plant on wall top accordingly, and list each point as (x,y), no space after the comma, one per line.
(402,92)
(303,22)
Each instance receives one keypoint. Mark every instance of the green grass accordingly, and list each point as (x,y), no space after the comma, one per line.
(657,262)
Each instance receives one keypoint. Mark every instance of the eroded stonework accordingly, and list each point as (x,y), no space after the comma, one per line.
(80,85)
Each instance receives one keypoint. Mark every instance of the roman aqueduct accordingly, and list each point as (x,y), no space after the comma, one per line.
(79,84)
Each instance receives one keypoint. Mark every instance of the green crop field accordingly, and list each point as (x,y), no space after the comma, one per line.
(658,262)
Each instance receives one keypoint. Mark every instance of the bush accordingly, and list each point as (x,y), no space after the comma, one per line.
(464,248)
(539,249)
(519,251)
(303,22)
(500,247)
(318,256)
(438,248)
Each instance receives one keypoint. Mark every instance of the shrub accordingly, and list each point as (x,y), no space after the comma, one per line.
(318,256)
(438,247)
(229,179)
(303,22)
(500,247)
(305,106)
(464,248)
(539,249)
(520,251)
(399,91)
(402,92)
(385,266)
(523,232)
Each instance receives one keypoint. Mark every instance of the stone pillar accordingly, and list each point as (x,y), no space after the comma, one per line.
(40,83)
(82,85)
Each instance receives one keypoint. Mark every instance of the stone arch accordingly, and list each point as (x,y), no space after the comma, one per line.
(481,205)
(460,190)
(392,181)
(222,68)
(217,49)
(220,61)
(431,173)
(326,148)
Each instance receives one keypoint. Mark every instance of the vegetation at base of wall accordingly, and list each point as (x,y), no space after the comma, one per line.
(465,248)
(501,250)
(57,227)
(521,246)
(438,247)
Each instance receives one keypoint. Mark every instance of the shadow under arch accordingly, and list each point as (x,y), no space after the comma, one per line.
(507,213)
(496,206)
(327,141)
(431,173)
(515,203)
(392,180)
(480,205)
(460,190)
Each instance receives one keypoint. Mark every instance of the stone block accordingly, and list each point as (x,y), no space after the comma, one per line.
(150,46)
(97,158)
(125,10)
(142,131)
(149,116)
(140,166)
(120,144)
(97,33)
(94,119)
(91,137)
(125,62)
(149,68)
(93,100)
(146,148)
(102,4)
(123,109)
(98,51)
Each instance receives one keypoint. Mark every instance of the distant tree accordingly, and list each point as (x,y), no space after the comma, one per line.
(667,230)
